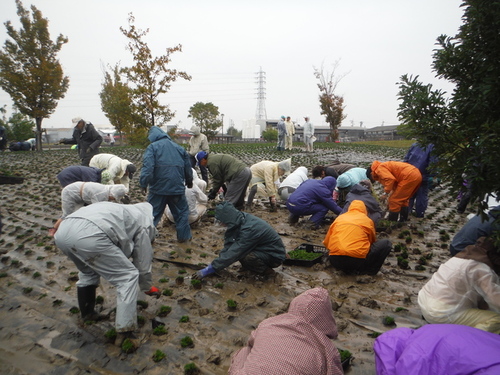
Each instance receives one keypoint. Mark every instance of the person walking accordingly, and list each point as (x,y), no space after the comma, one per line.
(290,132)
(198,142)
(309,137)
(166,171)
(228,173)
(100,239)
(87,138)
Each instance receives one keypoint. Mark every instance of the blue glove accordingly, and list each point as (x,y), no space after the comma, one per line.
(205,272)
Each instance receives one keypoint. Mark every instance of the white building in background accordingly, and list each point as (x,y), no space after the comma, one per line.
(251,130)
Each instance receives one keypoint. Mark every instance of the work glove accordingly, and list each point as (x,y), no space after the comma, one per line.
(154,292)
(208,270)
(212,195)
(144,190)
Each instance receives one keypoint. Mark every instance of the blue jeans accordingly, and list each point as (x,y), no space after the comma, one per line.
(180,211)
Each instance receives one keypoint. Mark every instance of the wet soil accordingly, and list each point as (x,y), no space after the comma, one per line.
(40,335)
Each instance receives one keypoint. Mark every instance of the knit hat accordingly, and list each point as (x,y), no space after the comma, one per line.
(201,155)
(286,165)
(131,170)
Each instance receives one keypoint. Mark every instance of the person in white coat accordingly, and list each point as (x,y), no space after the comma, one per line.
(308,134)
(292,182)
(100,239)
(79,194)
(119,171)
(196,198)
(466,289)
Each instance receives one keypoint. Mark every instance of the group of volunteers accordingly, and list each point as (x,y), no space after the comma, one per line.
(286,131)
(114,241)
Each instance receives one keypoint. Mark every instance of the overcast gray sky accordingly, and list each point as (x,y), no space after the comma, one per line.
(225,43)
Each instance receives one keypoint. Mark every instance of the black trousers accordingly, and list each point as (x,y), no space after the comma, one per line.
(364,266)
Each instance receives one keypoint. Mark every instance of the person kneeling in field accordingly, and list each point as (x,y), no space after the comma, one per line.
(249,240)
(295,343)
(466,289)
(352,243)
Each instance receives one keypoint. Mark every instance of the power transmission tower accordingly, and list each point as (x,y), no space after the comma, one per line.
(261,113)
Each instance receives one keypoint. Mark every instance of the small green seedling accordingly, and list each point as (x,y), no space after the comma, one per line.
(160,330)
(164,310)
(191,369)
(187,342)
(184,319)
(128,346)
(168,292)
(158,355)
(388,321)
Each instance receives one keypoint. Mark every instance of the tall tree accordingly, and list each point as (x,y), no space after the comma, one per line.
(29,69)
(116,101)
(206,116)
(149,78)
(331,104)
(465,129)
(237,134)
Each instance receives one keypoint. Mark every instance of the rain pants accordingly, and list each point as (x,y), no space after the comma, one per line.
(295,343)
(444,349)
(398,178)
(78,194)
(458,291)
(292,182)
(114,165)
(249,240)
(314,197)
(79,173)
(100,239)
(166,171)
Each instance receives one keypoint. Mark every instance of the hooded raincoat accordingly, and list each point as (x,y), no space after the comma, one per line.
(266,173)
(115,167)
(459,287)
(100,239)
(398,178)
(247,237)
(314,197)
(351,177)
(75,173)
(445,349)
(362,193)
(166,171)
(78,194)
(352,233)
(295,343)
(88,140)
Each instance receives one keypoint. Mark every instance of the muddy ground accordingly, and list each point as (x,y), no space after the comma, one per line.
(40,335)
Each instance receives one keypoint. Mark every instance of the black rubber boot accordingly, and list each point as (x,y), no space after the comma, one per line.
(86,301)
(403,214)
(393,216)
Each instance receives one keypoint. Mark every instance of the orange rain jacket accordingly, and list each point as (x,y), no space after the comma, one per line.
(352,233)
(402,179)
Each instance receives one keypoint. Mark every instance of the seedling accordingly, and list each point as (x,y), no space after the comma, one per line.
(388,321)
(110,335)
(163,280)
(182,271)
(74,310)
(158,355)
(99,300)
(191,369)
(374,335)
(37,275)
(141,320)
(196,283)
(3,274)
(187,342)
(168,292)
(160,330)
(143,304)
(128,346)
(179,280)
(164,310)
(219,285)
(231,304)
(184,319)
(28,290)
(398,309)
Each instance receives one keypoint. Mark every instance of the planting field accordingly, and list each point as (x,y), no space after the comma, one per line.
(40,333)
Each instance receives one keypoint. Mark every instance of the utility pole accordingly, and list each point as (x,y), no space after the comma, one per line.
(261,113)
(222,115)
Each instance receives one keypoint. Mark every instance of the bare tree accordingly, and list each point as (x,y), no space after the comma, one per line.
(331,104)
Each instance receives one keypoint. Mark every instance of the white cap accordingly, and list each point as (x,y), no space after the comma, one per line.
(76,120)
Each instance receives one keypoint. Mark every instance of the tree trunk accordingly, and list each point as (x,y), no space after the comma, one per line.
(38,133)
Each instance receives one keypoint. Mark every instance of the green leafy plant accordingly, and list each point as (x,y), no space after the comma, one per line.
(168,292)
(196,283)
(184,319)
(158,355)
(232,304)
(388,321)
(110,335)
(191,369)
(160,330)
(164,310)
(219,285)
(143,304)
(187,342)
(128,346)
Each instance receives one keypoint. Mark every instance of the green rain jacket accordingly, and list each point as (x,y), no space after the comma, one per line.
(246,233)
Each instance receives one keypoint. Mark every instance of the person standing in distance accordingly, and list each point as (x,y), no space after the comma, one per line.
(87,138)
(308,134)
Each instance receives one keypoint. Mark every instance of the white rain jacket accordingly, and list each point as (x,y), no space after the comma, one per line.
(115,167)
(78,194)
(198,142)
(100,239)
(458,285)
(295,178)
(197,202)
